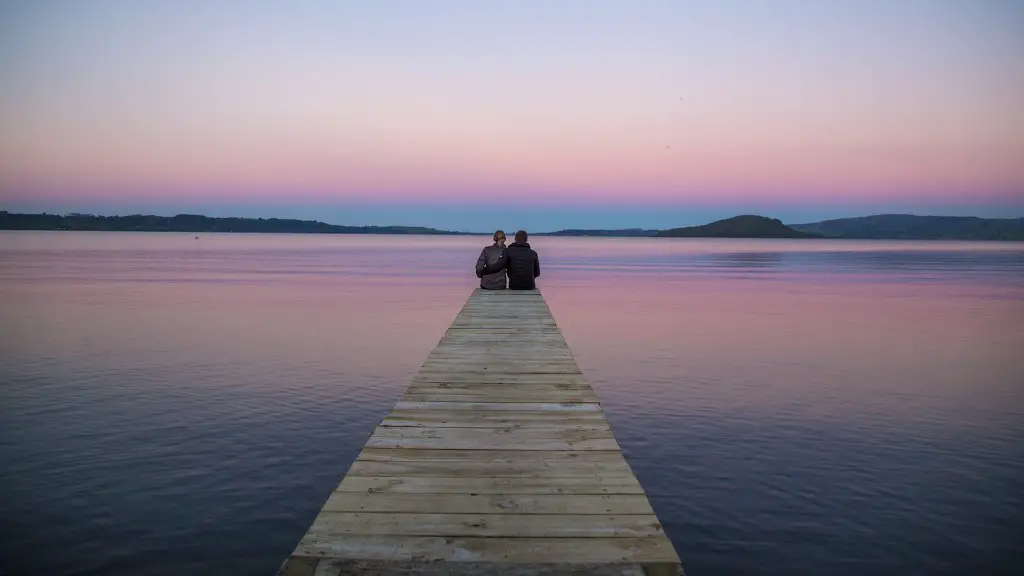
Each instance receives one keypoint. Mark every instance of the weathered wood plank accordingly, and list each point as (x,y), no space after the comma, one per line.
(510,469)
(510,330)
(512,439)
(484,485)
(486,339)
(489,463)
(339,567)
(579,426)
(552,406)
(298,566)
(498,386)
(489,525)
(478,439)
(502,354)
(498,378)
(507,550)
(501,342)
(469,346)
(504,419)
(563,458)
(489,503)
(478,369)
(496,362)
(534,396)
(499,360)
(507,395)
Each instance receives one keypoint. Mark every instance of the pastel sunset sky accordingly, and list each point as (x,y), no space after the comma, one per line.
(547,114)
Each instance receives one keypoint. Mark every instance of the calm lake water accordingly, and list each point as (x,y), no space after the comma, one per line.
(171,405)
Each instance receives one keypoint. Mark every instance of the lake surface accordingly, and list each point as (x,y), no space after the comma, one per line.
(172,405)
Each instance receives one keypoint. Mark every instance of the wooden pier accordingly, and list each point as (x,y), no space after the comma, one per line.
(498,460)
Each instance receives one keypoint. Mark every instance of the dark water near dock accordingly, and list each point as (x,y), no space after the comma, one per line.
(178,406)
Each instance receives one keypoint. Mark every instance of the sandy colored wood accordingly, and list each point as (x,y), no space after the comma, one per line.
(567,406)
(497,347)
(495,362)
(489,463)
(561,458)
(512,359)
(335,567)
(420,395)
(539,339)
(487,393)
(509,359)
(495,378)
(512,468)
(488,525)
(481,549)
(506,419)
(497,387)
(482,369)
(478,439)
(483,485)
(488,503)
(496,460)
(503,354)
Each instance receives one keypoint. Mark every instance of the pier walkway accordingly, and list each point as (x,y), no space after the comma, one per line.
(497,460)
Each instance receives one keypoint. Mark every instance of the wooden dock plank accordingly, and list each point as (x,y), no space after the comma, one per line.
(496,460)
(500,386)
(483,485)
(489,525)
(489,463)
(299,566)
(477,439)
(566,406)
(557,396)
(477,549)
(488,503)
(496,378)
(506,419)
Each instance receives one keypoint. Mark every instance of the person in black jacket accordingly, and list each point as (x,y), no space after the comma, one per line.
(520,262)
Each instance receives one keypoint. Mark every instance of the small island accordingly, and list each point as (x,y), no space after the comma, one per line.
(746,226)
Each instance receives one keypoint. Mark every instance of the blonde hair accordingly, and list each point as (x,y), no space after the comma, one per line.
(499,235)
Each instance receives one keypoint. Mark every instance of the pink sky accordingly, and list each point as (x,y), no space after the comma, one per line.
(647,103)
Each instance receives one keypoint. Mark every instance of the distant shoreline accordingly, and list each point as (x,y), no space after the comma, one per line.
(878,227)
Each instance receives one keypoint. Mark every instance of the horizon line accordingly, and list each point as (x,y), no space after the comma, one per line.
(468,232)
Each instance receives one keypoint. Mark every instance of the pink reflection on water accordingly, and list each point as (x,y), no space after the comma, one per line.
(792,344)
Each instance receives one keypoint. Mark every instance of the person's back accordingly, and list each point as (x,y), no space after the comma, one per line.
(490,256)
(521,263)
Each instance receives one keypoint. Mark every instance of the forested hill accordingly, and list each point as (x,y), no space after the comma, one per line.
(747,226)
(193,223)
(909,227)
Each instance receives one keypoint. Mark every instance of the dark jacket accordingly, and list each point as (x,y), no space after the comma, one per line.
(522,265)
(490,256)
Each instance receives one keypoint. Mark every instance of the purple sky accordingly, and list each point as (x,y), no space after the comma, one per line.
(466,115)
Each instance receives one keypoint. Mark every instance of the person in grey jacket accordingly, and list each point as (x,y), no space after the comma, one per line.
(489,257)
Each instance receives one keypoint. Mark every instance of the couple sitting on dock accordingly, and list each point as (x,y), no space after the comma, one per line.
(518,261)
